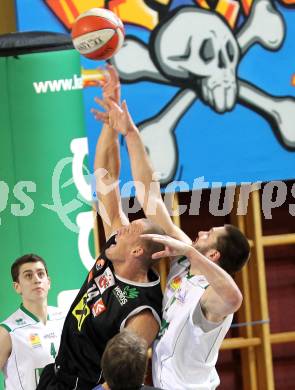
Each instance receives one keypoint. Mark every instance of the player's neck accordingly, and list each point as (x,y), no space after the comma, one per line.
(194,270)
(38,309)
(131,272)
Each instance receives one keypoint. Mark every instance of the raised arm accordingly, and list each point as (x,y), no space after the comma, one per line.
(147,186)
(222,296)
(107,164)
(149,195)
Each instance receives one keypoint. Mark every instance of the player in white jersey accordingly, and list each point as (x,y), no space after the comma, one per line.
(186,349)
(197,317)
(29,337)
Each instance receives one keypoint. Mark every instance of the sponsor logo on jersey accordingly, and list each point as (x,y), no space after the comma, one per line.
(119,294)
(90,276)
(127,293)
(50,335)
(20,321)
(99,264)
(175,283)
(105,280)
(98,307)
(35,340)
(92,293)
(81,311)
(131,292)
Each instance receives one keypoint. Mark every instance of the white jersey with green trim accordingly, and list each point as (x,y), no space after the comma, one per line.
(34,345)
(186,349)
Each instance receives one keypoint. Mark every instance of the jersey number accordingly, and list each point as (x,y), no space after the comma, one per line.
(52,350)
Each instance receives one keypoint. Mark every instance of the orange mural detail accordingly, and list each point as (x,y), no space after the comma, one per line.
(137,13)
(203,4)
(84,5)
(92,77)
(229,9)
(246,5)
(293,80)
(163,2)
(288,2)
(68,10)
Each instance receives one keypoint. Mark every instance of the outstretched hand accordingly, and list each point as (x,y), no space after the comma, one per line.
(173,247)
(115,116)
(111,88)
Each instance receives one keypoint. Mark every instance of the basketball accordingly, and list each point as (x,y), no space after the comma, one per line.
(98,34)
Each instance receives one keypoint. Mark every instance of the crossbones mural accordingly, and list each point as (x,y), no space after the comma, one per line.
(195,50)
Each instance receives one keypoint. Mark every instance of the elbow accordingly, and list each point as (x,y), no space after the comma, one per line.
(236,300)
(233,298)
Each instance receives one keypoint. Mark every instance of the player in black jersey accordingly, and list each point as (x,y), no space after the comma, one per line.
(121,290)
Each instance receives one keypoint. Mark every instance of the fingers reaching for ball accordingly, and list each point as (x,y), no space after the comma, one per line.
(101,102)
(110,84)
(100,116)
(113,73)
(115,116)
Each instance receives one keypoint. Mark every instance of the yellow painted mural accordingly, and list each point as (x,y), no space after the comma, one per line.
(139,13)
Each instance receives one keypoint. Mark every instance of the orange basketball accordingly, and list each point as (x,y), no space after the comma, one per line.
(98,34)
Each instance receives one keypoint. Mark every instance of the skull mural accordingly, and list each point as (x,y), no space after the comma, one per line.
(204,55)
(195,50)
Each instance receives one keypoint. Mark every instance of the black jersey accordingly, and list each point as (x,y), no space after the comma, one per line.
(99,311)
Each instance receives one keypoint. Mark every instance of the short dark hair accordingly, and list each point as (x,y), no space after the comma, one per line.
(29,258)
(234,249)
(151,247)
(124,361)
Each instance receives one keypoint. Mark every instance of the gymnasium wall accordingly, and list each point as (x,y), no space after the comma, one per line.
(7,17)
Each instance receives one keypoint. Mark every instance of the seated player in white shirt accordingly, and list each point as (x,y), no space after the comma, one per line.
(29,337)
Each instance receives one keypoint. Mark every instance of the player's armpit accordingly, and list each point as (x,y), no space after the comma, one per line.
(5,350)
(145,325)
(215,307)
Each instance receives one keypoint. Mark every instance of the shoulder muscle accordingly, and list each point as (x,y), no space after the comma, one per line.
(145,325)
